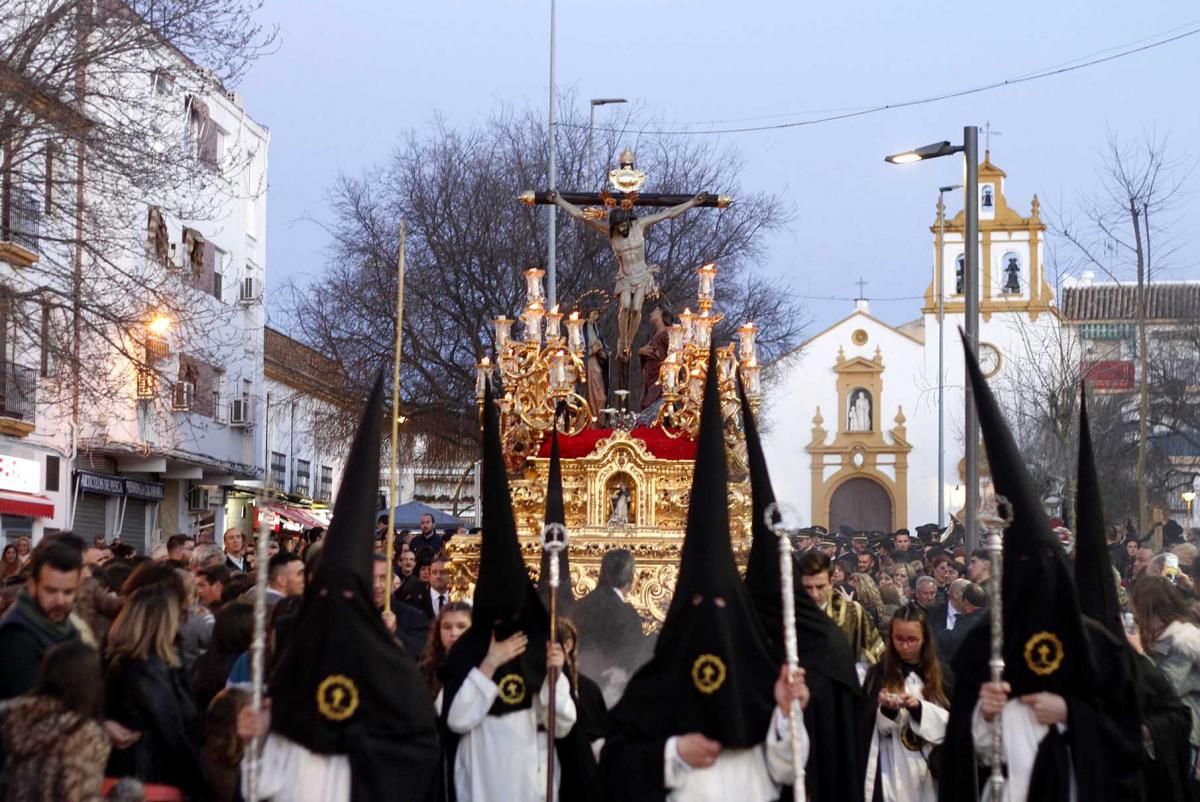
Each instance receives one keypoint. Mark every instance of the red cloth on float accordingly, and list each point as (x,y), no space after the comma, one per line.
(656,440)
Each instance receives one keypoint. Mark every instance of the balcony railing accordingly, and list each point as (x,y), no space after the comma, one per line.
(21,220)
(18,392)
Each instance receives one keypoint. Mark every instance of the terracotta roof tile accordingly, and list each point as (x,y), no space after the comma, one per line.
(1118,302)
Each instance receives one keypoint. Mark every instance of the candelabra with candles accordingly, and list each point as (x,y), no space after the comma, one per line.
(539,371)
(682,373)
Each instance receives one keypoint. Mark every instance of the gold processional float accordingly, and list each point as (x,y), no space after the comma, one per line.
(623,487)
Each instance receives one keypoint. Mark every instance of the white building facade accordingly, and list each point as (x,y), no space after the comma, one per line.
(179,424)
(852,423)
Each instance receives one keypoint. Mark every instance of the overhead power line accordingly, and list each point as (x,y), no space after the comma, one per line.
(849,112)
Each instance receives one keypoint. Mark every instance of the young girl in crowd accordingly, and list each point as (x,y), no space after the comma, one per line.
(452,622)
(147,693)
(55,745)
(1171,638)
(907,710)
(223,749)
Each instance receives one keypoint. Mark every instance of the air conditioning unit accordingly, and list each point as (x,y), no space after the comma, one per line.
(198,499)
(184,398)
(251,291)
(239,413)
(174,260)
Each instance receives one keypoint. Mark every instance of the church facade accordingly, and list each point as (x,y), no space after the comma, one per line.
(852,417)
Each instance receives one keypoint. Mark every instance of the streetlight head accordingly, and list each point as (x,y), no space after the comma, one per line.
(605,101)
(950,188)
(943,148)
(159,325)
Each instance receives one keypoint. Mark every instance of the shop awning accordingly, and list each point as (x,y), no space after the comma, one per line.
(298,516)
(26,504)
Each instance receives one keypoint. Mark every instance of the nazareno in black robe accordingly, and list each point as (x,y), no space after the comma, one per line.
(836,761)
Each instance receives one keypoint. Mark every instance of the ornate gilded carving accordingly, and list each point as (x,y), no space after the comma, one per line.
(660,490)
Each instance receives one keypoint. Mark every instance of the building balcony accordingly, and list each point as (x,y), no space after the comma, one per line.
(20,222)
(18,399)
(1110,375)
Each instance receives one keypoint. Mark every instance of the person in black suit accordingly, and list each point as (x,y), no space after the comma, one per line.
(235,550)
(974,602)
(611,643)
(430,597)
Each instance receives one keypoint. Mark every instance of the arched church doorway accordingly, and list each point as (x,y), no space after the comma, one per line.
(863,505)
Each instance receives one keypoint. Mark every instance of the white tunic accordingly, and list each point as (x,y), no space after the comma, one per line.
(747,775)
(290,773)
(504,757)
(903,772)
(1022,734)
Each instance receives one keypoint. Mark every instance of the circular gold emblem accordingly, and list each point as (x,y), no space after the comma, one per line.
(859,337)
(708,673)
(337,697)
(910,740)
(512,689)
(1043,653)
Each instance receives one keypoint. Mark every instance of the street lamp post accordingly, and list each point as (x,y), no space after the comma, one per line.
(941,402)
(970,150)
(596,101)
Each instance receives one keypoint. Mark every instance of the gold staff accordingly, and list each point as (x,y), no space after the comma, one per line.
(392,477)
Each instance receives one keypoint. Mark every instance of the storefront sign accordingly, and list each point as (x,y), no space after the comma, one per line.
(120,486)
(101,483)
(150,491)
(20,475)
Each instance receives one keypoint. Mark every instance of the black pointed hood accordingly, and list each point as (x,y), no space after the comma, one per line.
(711,671)
(347,685)
(1044,643)
(505,600)
(556,514)
(822,646)
(1095,580)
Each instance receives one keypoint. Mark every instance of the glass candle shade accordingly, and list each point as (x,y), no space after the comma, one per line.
(747,349)
(751,380)
(707,274)
(687,321)
(483,371)
(533,323)
(503,327)
(534,294)
(575,334)
(553,324)
(675,339)
(560,379)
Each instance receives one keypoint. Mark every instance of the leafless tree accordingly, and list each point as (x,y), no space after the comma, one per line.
(469,241)
(1124,231)
(100,119)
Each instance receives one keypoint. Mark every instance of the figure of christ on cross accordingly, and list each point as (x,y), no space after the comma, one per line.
(626,234)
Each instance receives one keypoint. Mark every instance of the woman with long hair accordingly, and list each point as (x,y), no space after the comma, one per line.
(147,692)
(908,705)
(10,564)
(231,635)
(55,745)
(867,594)
(1171,638)
(453,620)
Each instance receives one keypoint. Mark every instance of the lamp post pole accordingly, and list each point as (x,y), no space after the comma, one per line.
(970,150)
(596,101)
(551,218)
(971,326)
(941,311)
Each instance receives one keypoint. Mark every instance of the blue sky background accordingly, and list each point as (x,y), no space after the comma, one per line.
(351,77)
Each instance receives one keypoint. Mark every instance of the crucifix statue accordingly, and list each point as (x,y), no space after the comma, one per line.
(626,234)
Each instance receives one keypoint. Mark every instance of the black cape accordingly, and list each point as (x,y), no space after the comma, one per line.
(505,602)
(711,671)
(836,760)
(347,686)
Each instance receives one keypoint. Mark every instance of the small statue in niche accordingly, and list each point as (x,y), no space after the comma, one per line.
(620,506)
(858,416)
(959,271)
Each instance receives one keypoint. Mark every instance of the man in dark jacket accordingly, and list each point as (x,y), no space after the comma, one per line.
(40,617)
(610,630)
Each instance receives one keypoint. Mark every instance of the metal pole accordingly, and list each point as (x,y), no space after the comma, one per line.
(941,402)
(971,325)
(393,473)
(551,219)
(591,141)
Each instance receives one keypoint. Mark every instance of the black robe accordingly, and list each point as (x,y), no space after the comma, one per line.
(1166,777)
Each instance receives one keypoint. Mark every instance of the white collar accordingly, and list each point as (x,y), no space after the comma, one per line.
(620,594)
